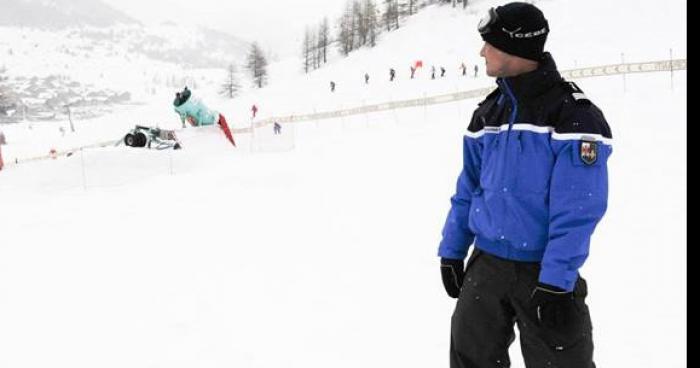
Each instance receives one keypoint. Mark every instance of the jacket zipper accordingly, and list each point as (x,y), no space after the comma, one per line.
(514,103)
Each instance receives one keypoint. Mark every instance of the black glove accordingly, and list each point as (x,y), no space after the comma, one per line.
(452,271)
(554,308)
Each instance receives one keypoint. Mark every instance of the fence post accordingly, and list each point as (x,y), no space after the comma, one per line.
(457,102)
(342,116)
(425,107)
(252,136)
(624,75)
(671,62)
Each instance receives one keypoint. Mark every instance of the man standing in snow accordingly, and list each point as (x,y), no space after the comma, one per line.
(254,109)
(532,189)
(193,111)
(277,128)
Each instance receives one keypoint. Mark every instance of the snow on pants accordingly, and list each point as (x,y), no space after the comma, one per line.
(227,131)
(495,296)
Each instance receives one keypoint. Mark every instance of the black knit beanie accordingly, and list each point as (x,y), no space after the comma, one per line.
(517,28)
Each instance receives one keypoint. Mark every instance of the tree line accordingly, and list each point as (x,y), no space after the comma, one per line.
(256,65)
(359,25)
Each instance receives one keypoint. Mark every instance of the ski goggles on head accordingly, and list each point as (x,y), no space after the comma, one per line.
(488,21)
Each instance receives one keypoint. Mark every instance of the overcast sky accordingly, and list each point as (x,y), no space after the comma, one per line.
(274,23)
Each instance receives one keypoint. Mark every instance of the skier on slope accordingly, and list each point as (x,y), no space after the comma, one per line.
(193,111)
(277,128)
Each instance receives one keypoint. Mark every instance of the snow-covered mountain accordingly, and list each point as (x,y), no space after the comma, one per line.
(50,62)
(58,14)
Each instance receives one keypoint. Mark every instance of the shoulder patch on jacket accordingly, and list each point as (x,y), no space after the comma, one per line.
(576,93)
(588,151)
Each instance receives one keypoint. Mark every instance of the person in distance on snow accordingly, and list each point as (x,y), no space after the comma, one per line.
(533,187)
(192,110)
(254,110)
(277,128)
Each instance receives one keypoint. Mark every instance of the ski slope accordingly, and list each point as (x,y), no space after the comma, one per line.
(325,256)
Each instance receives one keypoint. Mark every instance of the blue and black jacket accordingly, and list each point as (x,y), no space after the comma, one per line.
(534,183)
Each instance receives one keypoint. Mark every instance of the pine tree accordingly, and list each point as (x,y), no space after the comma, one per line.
(319,50)
(315,59)
(306,53)
(391,14)
(257,65)
(345,31)
(386,17)
(359,27)
(231,86)
(396,14)
(324,38)
(371,21)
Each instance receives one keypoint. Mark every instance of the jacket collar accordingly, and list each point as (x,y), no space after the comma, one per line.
(532,84)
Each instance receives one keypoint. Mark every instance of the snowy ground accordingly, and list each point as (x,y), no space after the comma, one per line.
(322,256)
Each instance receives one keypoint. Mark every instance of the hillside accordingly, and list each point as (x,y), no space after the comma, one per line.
(100,58)
(59,14)
(323,254)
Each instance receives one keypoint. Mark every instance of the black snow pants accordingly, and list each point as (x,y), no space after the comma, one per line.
(495,296)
